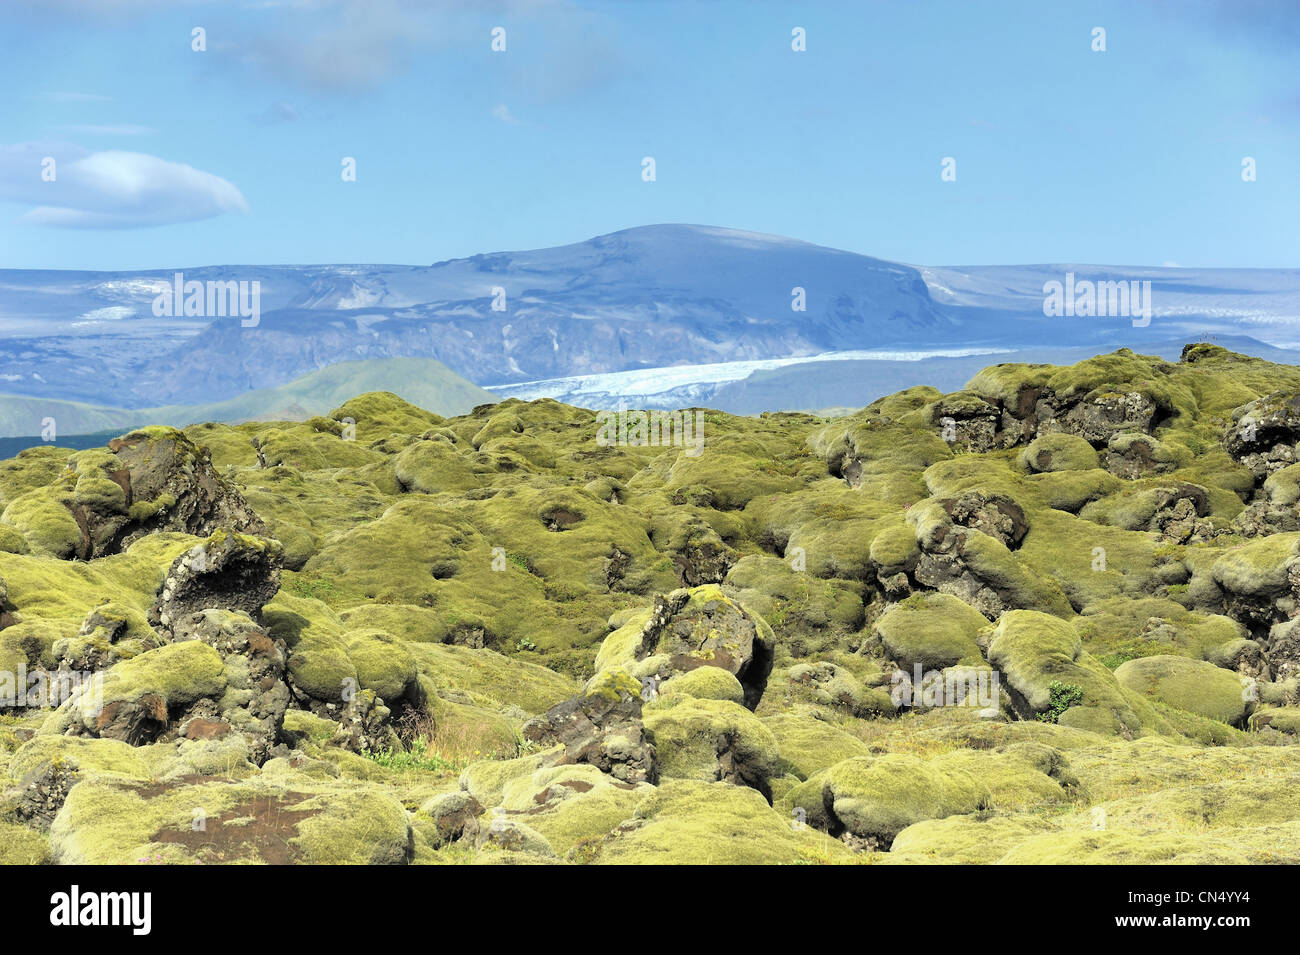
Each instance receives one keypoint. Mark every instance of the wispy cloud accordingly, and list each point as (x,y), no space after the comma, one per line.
(111,189)
(502,112)
(277,112)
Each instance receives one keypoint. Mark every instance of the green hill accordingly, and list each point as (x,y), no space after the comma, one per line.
(425,382)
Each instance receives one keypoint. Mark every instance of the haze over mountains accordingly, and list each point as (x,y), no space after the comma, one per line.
(662,315)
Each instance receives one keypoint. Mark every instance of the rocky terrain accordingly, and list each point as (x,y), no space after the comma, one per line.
(1052,617)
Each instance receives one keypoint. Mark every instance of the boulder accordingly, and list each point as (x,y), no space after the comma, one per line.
(712,740)
(1263,433)
(693,628)
(227,571)
(1192,685)
(146,482)
(602,727)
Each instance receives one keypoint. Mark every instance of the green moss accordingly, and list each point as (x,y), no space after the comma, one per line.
(877,797)
(1058,452)
(482,568)
(46,525)
(709,739)
(705,683)
(1193,685)
(1259,567)
(83,755)
(932,631)
(894,546)
(979,839)
(1123,848)
(304,727)
(1034,650)
(698,823)
(1283,719)
(178,673)
(808,745)
(1072,490)
(22,846)
(108,822)
(382,663)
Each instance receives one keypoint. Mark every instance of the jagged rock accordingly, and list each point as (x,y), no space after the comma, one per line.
(703,558)
(226,572)
(226,677)
(256,695)
(1098,417)
(694,628)
(151,480)
(98,643)
(1263,433)
(993,514)
(363,724)
(967,421)
(1276,508)
(1283,650)
(1260,581)
(976,567)
(1261,518)
(1180,514)
(602,727)
(41,793)
(142,699)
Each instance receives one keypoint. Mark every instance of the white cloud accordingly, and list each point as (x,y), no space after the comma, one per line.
(111,189)
(502,112)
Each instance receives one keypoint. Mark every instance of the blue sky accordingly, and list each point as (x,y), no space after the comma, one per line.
(166,157)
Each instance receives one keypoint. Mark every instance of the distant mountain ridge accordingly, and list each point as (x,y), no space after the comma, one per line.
(644,299)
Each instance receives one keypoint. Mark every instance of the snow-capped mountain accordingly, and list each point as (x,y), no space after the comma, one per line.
(673,311)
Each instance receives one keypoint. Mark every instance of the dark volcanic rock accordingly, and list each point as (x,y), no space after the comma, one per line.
(225,572)
(169,484)
(603,728)
(703,627)
(1264,432)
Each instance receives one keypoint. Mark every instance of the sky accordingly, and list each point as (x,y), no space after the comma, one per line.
(165,156)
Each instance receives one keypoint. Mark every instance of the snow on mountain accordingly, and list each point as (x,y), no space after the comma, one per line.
(623,313)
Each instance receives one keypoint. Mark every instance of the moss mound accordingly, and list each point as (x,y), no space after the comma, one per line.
(493,638)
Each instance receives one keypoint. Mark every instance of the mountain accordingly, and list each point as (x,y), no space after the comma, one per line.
(678,310)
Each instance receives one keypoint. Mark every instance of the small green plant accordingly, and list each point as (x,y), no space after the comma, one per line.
(525,644)
(1061,696)
(417,757)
